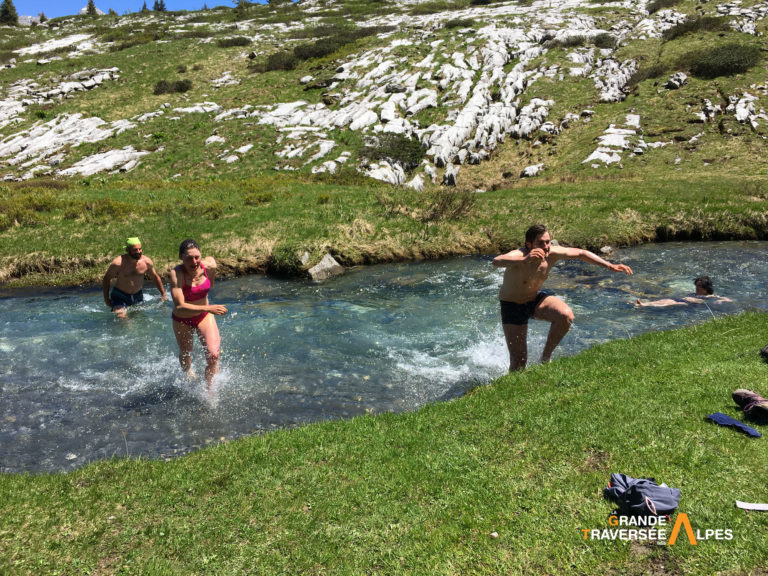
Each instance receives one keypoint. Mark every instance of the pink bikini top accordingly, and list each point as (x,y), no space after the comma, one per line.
(194,293)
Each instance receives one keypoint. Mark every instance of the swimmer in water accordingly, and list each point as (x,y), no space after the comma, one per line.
(192,313)
(128,271)
(522,298)
(704,294)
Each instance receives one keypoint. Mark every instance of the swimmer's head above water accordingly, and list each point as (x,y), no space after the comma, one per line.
(704,285)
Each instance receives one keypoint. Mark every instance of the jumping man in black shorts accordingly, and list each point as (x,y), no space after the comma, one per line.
(522,298)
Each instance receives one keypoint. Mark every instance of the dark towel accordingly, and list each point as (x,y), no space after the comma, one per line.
(725,420)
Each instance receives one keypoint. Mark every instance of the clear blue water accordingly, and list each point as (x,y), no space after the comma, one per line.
(78,385)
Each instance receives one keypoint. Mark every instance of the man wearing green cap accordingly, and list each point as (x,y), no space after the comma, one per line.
(128,271)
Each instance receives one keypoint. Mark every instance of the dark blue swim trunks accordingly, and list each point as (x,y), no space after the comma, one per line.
(122,300)
(519,314)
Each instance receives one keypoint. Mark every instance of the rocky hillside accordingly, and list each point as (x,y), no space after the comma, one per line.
(475,94)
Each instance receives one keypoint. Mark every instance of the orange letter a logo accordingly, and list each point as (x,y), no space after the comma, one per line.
(682,519)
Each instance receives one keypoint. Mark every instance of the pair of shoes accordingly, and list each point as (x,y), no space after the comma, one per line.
(764,353)
(753,405)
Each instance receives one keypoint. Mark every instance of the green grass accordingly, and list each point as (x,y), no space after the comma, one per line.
(526,457)
(78,226)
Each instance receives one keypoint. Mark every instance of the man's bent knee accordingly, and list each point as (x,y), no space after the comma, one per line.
(564,317)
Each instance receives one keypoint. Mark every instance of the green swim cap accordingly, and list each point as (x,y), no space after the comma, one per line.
(132,241)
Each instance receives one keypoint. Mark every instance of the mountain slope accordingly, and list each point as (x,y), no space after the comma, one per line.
(490,92)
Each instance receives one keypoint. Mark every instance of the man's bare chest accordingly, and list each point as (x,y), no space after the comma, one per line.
(133,271)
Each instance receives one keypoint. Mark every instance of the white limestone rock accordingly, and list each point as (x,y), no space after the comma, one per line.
(324,146)
(604,155)
(364,119)
(531,171)
(326,268)
(244,149)
(45,139)
(451,174)
(611,77)
(123,160)
(386,172)
(387,112)
(54,44)
(328,166)
(416,183)
(226,79)
(201,108)
(677,81)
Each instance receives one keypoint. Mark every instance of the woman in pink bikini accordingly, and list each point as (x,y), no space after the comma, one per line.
(190,283)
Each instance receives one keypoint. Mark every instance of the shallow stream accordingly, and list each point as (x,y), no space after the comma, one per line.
(78,385)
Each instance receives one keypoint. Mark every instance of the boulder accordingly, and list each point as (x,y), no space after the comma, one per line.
(531,171)
(417,183)
(388,111)
(329,166)
(386,172)
(363,119)
(326,268)
(677,80)
(320,83)
(450,175)
(331,98)
(395,89)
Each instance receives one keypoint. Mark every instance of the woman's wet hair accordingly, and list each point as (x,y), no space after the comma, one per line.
(705,282)
(186,245)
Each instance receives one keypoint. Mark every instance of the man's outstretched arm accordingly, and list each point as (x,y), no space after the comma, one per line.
(665,303)
(590,257)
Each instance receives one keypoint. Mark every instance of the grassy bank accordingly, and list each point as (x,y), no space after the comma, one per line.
(62,233)
(526,457)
